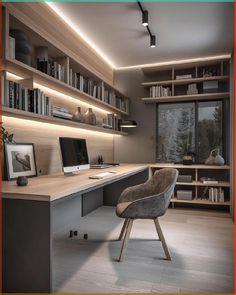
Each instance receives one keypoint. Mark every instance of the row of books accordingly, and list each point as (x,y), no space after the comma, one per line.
(19,97)
(51,68)
(216,195)
(86,85)
(159,91)
(92,88)
(111,122)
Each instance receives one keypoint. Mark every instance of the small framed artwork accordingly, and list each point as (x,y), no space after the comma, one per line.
(20,160)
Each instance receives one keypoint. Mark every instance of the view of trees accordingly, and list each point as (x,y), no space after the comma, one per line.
(176,130)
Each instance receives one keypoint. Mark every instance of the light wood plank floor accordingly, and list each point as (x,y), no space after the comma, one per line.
(200,243)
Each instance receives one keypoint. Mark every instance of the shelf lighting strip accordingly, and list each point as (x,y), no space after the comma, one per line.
(53,126)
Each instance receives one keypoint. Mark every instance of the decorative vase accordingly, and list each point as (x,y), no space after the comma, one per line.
(215,158)
(78,116)
(90,117)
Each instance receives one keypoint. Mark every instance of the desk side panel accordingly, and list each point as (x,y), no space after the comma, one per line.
(27,246)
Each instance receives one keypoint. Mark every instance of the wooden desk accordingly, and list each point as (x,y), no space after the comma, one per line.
(33,214)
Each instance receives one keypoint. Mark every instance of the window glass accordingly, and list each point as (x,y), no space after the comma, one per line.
(209,128)
(175,132)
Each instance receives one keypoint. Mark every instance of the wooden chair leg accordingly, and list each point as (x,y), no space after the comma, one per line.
(123,229)
(126,240)
(161,236)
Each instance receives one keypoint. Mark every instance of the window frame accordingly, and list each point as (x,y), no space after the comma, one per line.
(225,129)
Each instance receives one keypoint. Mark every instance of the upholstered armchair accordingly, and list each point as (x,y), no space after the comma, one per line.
(149,200)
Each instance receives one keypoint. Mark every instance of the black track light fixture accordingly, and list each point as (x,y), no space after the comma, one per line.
(145,18)
(152,41)
(145,24)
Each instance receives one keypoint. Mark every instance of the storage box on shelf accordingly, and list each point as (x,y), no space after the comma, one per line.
(198,191)
(62,78)
(207,80)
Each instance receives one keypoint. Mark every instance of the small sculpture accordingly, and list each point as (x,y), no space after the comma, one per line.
(215,158)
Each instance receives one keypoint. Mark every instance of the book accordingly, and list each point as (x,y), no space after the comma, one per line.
(12,46)
(208,180)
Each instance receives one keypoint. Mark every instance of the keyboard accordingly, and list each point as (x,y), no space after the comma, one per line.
(101,175)
(99,166)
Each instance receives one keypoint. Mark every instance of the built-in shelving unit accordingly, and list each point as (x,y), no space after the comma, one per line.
(197,170)
(176,80)
(109,101)
(26,72)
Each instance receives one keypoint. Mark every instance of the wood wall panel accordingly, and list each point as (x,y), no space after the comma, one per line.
(45,137)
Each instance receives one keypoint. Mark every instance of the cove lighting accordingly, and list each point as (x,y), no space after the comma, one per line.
(13,77)
(60,13)
(177,62)
(24,123)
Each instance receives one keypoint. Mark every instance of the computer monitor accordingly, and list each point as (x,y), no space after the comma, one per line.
(74,154)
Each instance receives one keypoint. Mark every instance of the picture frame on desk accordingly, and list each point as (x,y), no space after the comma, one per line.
(20,160)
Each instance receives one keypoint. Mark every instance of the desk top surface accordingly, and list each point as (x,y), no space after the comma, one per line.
(56,186)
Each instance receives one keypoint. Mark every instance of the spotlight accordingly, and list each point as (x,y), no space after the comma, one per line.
(145,18)
(152,41)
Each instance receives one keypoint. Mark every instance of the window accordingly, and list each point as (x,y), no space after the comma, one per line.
(193,128)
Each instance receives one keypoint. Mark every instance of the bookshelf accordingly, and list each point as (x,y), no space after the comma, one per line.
(197,171)
(172,83)
(114,102)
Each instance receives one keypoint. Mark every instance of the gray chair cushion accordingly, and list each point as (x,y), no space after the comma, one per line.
(150,199)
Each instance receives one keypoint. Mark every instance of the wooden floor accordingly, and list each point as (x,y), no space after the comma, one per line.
(200,243)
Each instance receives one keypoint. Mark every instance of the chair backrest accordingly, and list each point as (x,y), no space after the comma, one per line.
(163,181)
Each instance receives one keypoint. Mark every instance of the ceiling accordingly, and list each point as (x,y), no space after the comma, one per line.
(183,30)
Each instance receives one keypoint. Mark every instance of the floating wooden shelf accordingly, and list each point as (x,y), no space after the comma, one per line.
(185,81)
(9,112)
(179,98)
(20,69)
(193,166)
(200,202)
(199,183)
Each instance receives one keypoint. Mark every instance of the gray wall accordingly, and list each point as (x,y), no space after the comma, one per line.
(139,145)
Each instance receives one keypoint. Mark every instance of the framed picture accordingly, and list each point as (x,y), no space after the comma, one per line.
(20,160)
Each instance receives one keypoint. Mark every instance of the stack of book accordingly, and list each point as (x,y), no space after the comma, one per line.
(19,97)
(208,180)
(111,122)
(180,77)
(60,112)
(158,91)
(51,68)
(192,89)
(216,195)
